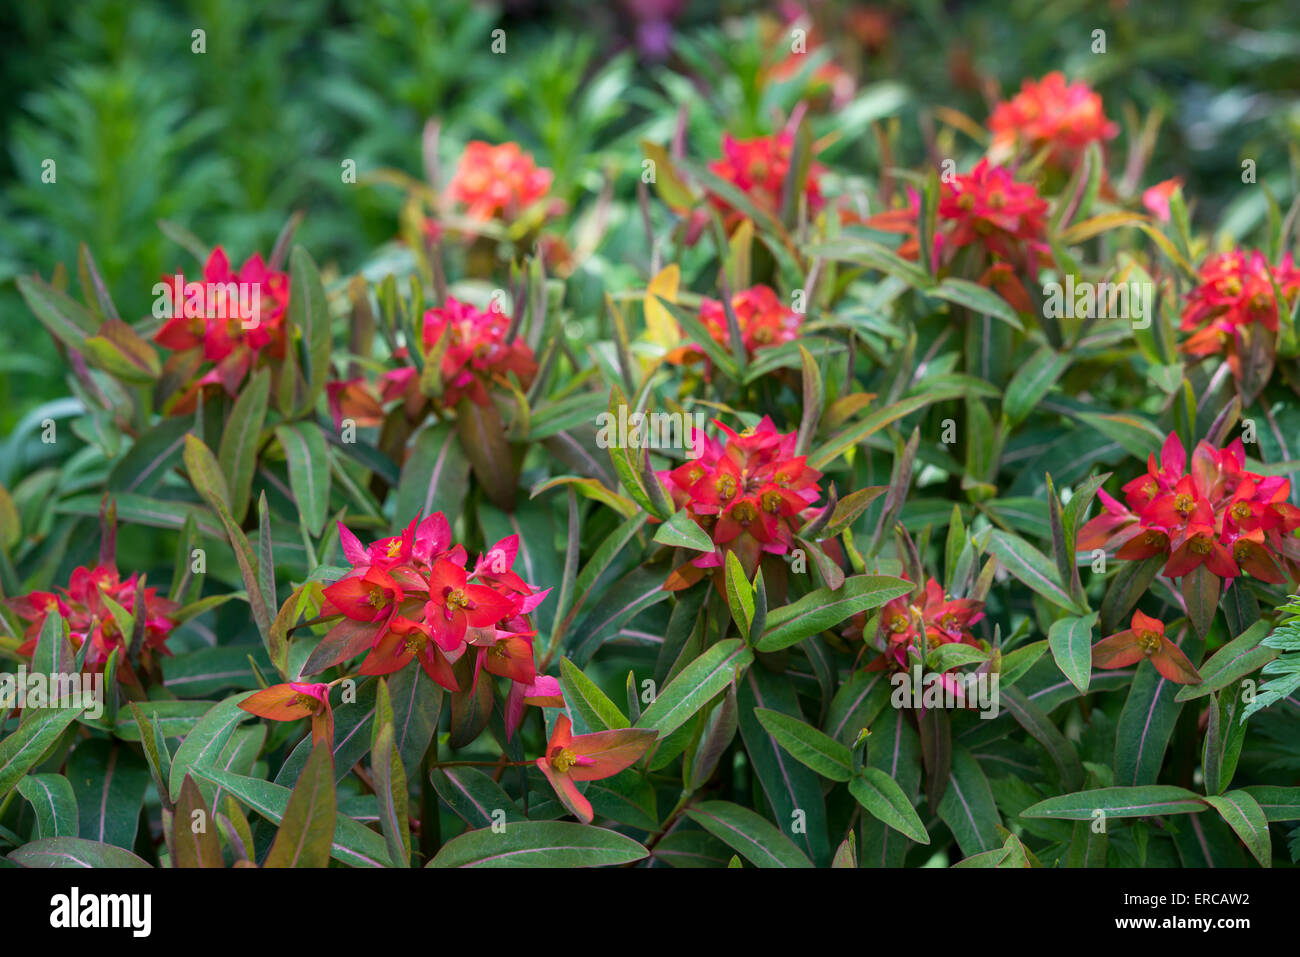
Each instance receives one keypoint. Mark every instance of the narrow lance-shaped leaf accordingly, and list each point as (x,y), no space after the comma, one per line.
(307,828)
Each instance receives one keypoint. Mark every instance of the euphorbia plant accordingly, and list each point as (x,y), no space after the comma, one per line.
(472,565)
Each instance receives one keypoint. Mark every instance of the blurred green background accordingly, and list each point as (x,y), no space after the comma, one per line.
(230,142)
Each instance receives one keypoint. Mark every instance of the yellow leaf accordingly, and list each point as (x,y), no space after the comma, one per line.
(661,327)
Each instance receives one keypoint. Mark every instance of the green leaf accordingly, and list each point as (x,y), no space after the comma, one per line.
(474,797)
(753,836)
(1032,381)
(1245,817)
(740,594)
(822,609)
(73,852)
(787,785)
(237,453)
(62,316)
(1147,720)
(483,442)
(884,800)
(1071,642)
(353,844)
(1238,658)
(807,745)
(1031,567)
(417,706)
(207,479)
(52,798)
(309,312)
(1143,801)
(22,750)
(1200,590)
(1129,584)
(390,781)
(978,299)
(681,531)
(435,476)
(110,782)
(155,453)
(967,806)
(203,745)
(695,686)
(540,844)
(194,836)
(858,432)
(595,707)
(1277,803)
(309,471)
(308,823)
(1033,720)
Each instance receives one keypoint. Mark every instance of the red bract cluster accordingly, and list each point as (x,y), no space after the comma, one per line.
(764,321)
(497,181)
(90,618)
(988,208)
(1217,514)
(1053,114)
(211,327)
(414,596)
(943,620)
(1235,295)
(472,350)
(759,167)
(750,493)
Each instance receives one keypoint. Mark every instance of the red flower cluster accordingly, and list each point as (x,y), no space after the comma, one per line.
(749,493)
(763,318)
(758,167)
(1218,515)
(413,596)
(1235,296)
(1050,113)
(498,181)
(987,207)
(89,617)
(210,327)
(474,350)
(943,620)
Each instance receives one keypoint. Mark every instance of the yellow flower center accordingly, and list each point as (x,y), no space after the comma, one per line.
(1149,641)
(744,513)
(1201,546)
(564,760)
